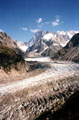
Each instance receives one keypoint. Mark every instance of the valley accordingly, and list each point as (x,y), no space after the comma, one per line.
(39,60)
(30,97)
(37,85)
(56,71)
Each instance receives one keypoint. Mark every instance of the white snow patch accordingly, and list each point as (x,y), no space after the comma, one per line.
(49,36)
(35,50)
(60,32)
(22,46)
(55,44)
(39,59)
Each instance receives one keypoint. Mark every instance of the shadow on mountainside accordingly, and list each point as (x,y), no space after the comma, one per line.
(69,111)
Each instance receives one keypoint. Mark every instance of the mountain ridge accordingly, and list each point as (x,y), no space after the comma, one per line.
(48,43)
(70,51)
(11,57)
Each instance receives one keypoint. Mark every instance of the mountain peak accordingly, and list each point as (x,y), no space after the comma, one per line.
(43,42)
(70,51)
(74,41)
(7,40)
(38,35)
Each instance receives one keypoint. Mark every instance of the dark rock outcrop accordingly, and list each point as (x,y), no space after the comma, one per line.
(70,51)
(9,59)
(9,42)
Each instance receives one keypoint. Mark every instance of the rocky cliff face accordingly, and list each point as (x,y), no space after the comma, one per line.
(29,104)
(38,35)
(70,51)
(11,57)
(7,40)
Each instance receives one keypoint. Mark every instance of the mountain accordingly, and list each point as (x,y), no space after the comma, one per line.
(38,35)
(22,45)
(11,57)
(70,51)
(47,43)
(7,40)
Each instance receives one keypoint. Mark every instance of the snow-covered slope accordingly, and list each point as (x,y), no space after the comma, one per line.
(48,36)
(38,35)
(22,45)
(60,36)
(47,43)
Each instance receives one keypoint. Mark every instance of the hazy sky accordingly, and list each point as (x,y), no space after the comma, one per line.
(22,18)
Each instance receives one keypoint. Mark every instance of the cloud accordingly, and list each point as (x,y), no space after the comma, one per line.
(34,30)
(1,30)
(23,28)
(43,24)
(40,25)
(47,23)
(39,20)
(56,22)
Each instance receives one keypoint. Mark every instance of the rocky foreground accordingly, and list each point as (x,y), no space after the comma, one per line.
(32,97)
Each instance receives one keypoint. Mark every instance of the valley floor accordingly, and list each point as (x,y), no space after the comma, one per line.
(57,71)
(43,82)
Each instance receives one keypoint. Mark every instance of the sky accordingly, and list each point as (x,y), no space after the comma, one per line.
(21,19)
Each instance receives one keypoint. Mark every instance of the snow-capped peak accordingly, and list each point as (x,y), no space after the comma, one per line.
(48,36)
(38,35)
(22,45)
(60,32)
